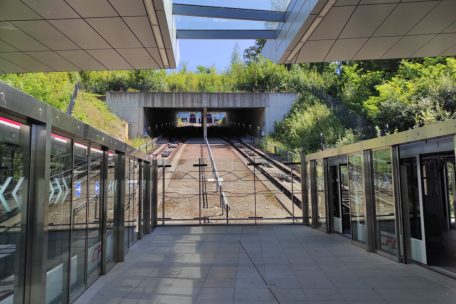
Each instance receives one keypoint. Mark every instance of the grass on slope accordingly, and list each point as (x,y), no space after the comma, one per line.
(94,112)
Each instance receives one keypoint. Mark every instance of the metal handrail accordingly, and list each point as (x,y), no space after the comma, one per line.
(218,182)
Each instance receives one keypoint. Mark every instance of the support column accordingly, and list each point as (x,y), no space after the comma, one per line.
(313,194)
(104,210)
(154,190)
(204,122)
(304,196)
(370,201)
(120,210)
(147,200)
(141,200)
(40,153)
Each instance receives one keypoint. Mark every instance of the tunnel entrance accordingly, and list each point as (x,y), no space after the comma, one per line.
(176,123)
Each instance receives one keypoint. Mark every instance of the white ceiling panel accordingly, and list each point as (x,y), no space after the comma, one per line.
(5,47)
(12,35)
(115,32)
(141,27)
(139,58)
(376,47)
(110,59)
(344,49)
(26,61)
(333,23)
(450,52)
(93,8)
(81,33)
(52,9)
(314,51)
(378,1)
(436,45)
(404,17)
(16,10)
(82,60)
(365,20)
(440,18)
(9,67)
(52,59)
(405,47)
(129,8)
(44,32)
(451,28)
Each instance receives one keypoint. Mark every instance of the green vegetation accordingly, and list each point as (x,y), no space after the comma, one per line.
(91,110)
(392,95)
(52,88)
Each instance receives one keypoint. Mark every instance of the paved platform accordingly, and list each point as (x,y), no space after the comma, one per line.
(262,264)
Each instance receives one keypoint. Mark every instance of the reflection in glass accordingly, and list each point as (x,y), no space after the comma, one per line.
(111,203)
(93,219)
(13,182)
(357,201)
(59,219)
(79,226)
(321,219)
(127,198)
(410,195)
(384,202)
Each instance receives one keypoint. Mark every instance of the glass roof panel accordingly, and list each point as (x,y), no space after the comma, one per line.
(202,23)
(275,5)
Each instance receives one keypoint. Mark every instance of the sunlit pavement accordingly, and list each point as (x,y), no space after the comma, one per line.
(262,264)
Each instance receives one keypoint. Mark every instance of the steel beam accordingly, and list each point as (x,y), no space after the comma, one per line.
(226,34)
(228,13)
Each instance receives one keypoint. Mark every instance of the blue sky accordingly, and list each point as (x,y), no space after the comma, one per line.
(209,52)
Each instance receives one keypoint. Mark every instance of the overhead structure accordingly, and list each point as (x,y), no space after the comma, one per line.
(73,35)
(333,30)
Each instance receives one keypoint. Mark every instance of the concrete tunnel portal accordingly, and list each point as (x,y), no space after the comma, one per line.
(246,120)
(149,113)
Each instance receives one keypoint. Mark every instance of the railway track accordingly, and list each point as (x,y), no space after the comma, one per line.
(281,176)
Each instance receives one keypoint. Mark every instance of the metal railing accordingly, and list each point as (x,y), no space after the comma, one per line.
(149,146)
(218,182)
(348,117)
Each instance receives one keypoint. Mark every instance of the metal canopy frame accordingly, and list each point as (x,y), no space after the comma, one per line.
(226,34)
(228,13)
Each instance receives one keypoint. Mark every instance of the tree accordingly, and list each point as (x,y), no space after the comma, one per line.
(252,53)
(236,55)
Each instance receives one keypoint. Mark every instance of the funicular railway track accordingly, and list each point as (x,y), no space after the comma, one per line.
(271,169)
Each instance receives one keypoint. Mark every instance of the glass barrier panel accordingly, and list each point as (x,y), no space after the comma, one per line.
(385,218)
(94,221)
(321,195)
(79,225)
(111,201)
(357,197)
(59,219)
(14,140)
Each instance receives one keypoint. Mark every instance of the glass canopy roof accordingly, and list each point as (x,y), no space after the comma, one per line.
(273,5)
(228,19)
